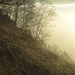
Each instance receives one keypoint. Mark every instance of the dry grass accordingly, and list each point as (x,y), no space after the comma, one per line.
(22,55)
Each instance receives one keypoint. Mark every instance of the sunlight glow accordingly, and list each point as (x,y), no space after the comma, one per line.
(64,33)
(38,4)
(63,5)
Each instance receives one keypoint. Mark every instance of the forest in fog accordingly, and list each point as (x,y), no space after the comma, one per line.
(31,15)
(35,17)
(37,37)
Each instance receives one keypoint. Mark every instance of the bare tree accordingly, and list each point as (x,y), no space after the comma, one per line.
(35,18)
(46,13)
(29,16)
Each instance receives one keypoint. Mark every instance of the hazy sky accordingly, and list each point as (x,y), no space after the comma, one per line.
(59,1)
(64,33)
(63,1)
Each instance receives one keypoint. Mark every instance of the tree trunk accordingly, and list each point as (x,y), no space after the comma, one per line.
(16,13)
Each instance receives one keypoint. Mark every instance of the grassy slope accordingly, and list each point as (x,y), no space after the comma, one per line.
(22,55)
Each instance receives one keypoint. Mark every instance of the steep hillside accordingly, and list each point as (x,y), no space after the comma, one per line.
(20,54)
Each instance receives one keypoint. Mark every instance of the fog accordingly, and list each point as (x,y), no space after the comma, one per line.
(64,32)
